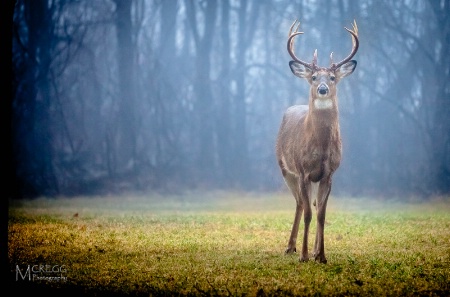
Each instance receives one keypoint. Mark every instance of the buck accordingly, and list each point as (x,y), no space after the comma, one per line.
(308,147)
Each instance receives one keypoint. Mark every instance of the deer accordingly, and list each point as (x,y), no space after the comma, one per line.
(308,145)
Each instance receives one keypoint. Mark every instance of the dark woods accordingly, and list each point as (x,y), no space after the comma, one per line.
(167,95)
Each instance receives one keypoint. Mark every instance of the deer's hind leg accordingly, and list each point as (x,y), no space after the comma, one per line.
(293,184)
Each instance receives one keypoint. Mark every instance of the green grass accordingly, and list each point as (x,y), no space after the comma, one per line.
(228,244)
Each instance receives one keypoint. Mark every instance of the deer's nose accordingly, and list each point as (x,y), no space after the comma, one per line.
(322,89)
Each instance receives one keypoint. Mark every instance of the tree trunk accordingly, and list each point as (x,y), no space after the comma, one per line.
(126,146)
(241,162)
(440,165)
(204,101)
(32,111)
(223,119)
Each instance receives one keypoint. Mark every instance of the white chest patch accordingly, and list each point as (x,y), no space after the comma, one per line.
(323,103)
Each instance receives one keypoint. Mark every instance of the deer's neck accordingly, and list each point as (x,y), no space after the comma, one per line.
(323,119)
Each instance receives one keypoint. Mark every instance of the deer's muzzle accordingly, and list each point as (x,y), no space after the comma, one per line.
(322,89)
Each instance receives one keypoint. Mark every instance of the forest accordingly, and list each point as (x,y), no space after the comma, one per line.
(151,95)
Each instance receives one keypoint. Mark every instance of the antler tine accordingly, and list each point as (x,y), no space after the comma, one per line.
(296,31)
(292,27)
(355,46)
(355,30)
(290,45)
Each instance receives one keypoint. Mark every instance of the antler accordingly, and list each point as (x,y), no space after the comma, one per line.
(290,47)
(355,41)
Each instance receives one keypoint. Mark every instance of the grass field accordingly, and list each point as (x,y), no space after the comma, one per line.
(225,244)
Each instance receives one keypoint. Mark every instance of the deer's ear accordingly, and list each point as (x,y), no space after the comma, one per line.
(346,69)
(300,70)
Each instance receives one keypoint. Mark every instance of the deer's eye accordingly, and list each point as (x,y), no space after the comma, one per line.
(332,78)
(314,77)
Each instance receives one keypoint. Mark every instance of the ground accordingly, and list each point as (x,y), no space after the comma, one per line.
(225,244)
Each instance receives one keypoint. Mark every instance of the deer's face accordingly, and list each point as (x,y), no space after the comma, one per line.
(322,81)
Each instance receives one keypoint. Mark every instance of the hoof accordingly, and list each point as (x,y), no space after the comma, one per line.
(290,250)
(322,260)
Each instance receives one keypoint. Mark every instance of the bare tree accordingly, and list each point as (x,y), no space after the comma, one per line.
(247,16)
(34,44)
(224,136)
(202,82)
(126,142)
(440,43)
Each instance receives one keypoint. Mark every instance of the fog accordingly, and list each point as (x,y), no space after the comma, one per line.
(174,95)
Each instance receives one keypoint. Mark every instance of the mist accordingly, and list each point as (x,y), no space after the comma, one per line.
(135,95)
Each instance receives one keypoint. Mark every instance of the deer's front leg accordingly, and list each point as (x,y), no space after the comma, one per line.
(321,206)
(305,190)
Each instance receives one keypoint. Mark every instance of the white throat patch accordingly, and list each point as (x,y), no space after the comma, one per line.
(323,103)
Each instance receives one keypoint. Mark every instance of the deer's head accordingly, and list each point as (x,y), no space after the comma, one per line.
(322,80)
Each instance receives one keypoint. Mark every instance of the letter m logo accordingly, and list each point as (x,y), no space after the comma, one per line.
(23,276)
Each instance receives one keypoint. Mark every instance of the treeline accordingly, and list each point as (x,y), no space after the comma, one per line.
(170,95)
